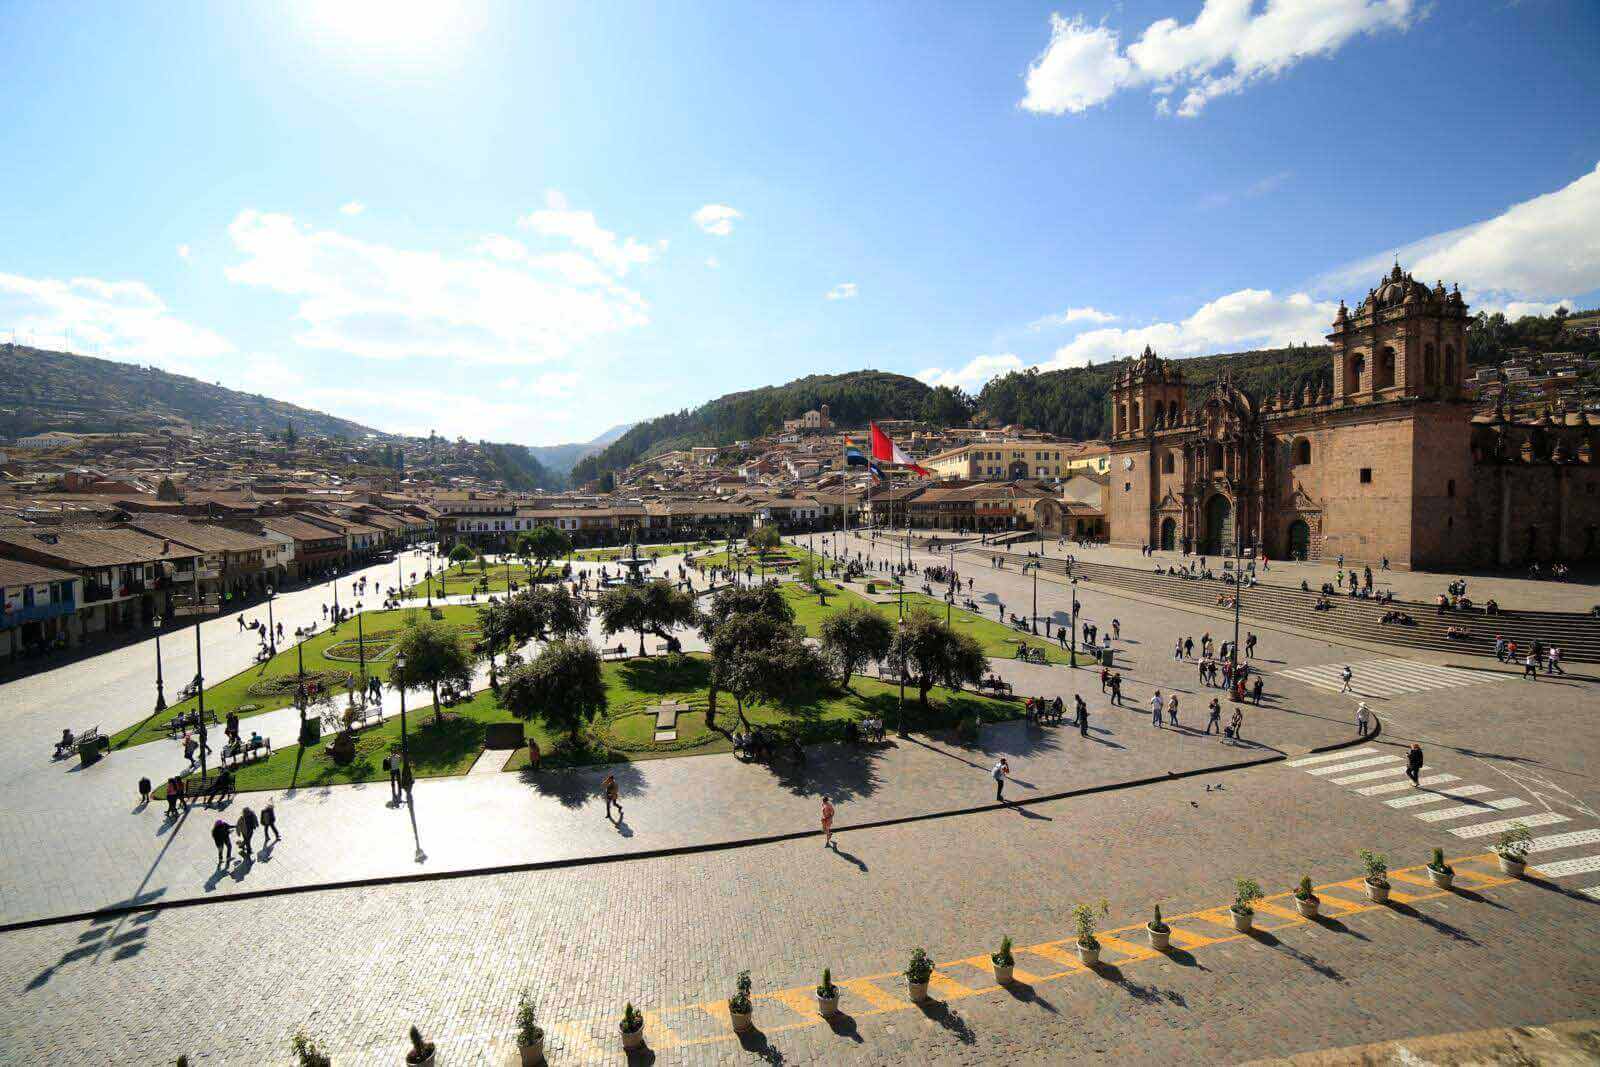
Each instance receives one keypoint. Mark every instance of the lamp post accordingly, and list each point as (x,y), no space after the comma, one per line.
(1033,620)
(272,633)
(1072,635)
(200,699)
(399,683)
(161,695)
(361,646)
(900,628)
(1238,599)
(428,574)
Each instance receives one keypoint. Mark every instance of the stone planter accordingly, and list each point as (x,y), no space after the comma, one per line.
(827,1007)
(426,1061)
(741,1020)
(918,990)
(1243,921)
(1159,939)
(1307,906)
(631,1039)
(1441,879)
(1512,865)
(532,1055)
(1377,892)
(1089,956)
(1002,973)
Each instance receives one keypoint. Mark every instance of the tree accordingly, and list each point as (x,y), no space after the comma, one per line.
(856,636)
(563,687)
(494,628)
(766,538)
(435,655)
(289,436)
(544,613)
(934,654)
(460,552)
(167,491)
(761,659)
(543,544)
(653,607)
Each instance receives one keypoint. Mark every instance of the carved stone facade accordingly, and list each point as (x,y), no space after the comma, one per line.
(1387,463)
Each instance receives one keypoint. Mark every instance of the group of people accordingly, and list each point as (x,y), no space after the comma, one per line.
(222,832)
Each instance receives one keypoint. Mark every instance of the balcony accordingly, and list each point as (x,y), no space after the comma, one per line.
(36,613)
(93,592)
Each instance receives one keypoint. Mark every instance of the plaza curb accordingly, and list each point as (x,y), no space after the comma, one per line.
(120,911)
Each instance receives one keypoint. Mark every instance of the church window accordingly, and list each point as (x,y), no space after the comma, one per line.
(1216,457)
(1366,475)
(1450,487)
(1166,463)
(1302,452)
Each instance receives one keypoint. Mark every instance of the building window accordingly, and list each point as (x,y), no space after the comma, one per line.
(1302,452)
(1366,475)
(1450,487)
(1166,463)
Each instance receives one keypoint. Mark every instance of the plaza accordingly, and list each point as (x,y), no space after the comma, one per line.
(126,938)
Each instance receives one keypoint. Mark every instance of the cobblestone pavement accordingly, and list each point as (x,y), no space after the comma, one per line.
(227,983)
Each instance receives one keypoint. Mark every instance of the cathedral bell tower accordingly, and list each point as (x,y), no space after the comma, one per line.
(1148,395)
(1405,340)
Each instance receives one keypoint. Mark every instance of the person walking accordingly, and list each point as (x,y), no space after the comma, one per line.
(247,831)
(144,791)
(407,779)
(608,786)
(1215,718)
(221,834)
(1250,646)
(1348,675)
(827,824)
(391,763)
(1414,765)
(1177,651)
(1000,772)
(1188,647)
(269,824)
(1172,709)
(1552,661)
(1116,629)
(1530,667)
(1236,725)
(1362,715)
(174,794)
(1255,691)
(1155,710)
(1116,688)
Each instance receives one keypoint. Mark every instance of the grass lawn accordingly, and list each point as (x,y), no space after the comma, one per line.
(793,554)
(463,578)
(331,651)
(605,555)
(999,641)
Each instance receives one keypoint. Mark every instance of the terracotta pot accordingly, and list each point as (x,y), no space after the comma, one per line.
(919,990)
(1002,973)
(1307,906)
(532,1055)
(1089,956)
(827,1007)
(741,1020)
(1512,866)
(631,1039)
(1243,921)
(1441,879)
(1159,939)
(1377,892)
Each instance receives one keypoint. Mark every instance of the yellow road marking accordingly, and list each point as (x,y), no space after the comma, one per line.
(1184,939)
(880,999)
(1067,958)
(1127,948)
(949,989)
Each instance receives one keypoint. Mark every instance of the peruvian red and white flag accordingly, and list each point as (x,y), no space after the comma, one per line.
(884,450)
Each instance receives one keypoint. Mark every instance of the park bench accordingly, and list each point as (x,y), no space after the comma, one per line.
(996,684)
(867,730)
(179,723)
(620,652)
(87,745)
(242,752)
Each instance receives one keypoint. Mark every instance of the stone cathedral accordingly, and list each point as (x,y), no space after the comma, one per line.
(1390,462)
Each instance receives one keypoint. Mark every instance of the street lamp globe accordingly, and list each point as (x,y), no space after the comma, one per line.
(156,622)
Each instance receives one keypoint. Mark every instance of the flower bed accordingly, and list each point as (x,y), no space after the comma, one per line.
(278,684)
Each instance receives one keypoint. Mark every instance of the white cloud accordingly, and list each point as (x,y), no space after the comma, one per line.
(558,219)
(717,219)
(1070,316)
(713,262)
(121,320)
(1258,188)
(1535,252)
(1228,46)
(1248,318)
(496,304)
(1515,309)
(842,291)
(972,376)
(183,251)
(354,207)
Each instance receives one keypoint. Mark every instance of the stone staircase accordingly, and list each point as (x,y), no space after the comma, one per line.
(1577,635)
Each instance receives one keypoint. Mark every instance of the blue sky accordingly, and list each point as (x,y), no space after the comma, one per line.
(531,222)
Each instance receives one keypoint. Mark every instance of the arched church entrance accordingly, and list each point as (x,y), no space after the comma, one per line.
(1217,536)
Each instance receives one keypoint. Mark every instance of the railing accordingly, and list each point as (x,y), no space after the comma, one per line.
(93,592)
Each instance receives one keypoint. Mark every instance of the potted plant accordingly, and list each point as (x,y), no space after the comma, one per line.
(1245,892)
(421,1052)
(1305,901)
(307,1053)
(1003,962)
(918,972)
(1377,880)
(1160,933)
(1085,916)
(530,1035)
(632,1026)
(1512,849)
(1440,873)
(739,1006)
(827,995)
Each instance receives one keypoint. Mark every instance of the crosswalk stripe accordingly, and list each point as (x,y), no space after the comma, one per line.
(1398,787)
(1464,810)
(1484,829)
(1389,677)
(1417,799)
(1367,776)
(1326,757)
(1551,842)
(1562,868)
(1371,761)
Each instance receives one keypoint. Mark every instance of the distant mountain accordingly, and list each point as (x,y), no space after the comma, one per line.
(559,459)
(44,390)
(852,398)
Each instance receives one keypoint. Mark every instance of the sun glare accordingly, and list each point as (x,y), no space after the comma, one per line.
(388,26)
